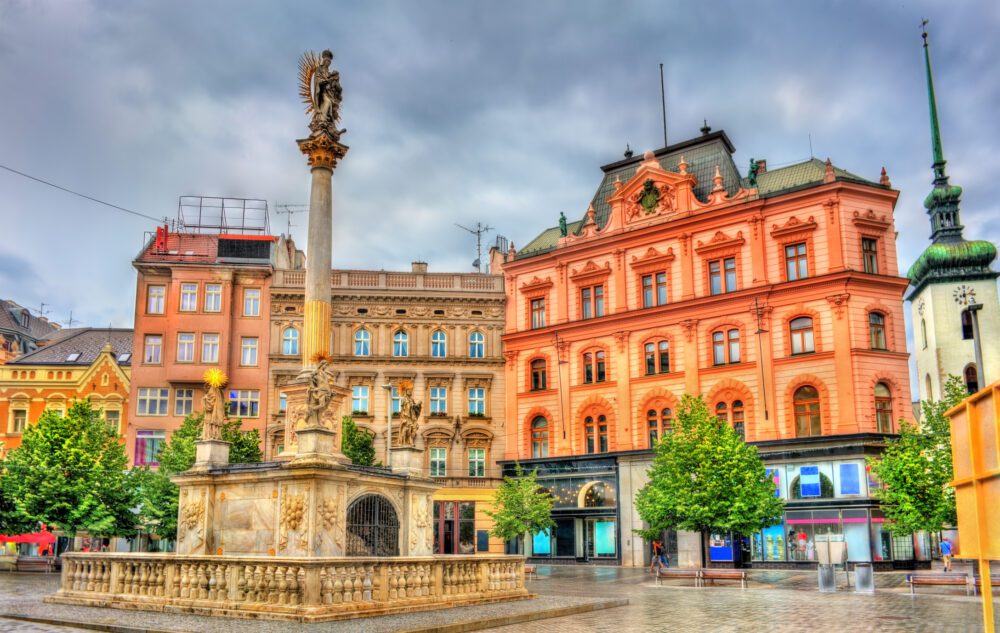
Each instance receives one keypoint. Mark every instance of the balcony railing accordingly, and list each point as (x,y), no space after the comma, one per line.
(347,279)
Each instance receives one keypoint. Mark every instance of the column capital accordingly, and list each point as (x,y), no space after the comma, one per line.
(322,150)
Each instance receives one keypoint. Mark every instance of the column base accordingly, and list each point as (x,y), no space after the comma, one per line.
(210,454)
(408,460)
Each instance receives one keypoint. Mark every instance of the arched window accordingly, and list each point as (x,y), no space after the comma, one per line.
(739,423)
(923,332)
(966,324)
(657,357)
(801,330)
(725,347)
(538,378)
(876,330)
(659,422)
(400,343)
(971,378)
(290,341)
(883,408)
(806,409)
(362,343)
(439,344)
(927,386)
(540,437)
(596,434)
(477,346)
(722,412)
(594,367)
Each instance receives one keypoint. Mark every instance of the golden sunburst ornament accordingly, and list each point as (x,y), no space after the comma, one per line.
(321,356)
(215,378)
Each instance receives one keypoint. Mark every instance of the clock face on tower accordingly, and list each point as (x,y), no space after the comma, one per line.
(964,295)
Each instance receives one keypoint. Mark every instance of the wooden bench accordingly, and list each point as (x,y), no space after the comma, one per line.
(724,574)
(530,572)
(939,580)
(35,563)
(977,583)
(678,572)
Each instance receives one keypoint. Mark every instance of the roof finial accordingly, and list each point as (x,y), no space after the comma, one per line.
(828,173)
(939,176)
(884,179)
(717,180)
(628,151)
(705,129)
(682,167)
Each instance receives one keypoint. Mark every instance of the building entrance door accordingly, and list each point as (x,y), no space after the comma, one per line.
(601,536)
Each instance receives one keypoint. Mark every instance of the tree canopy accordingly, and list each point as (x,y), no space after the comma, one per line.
(70,472)
(915,468)
(522,507)
(356,443)
(159,496)
(704,477)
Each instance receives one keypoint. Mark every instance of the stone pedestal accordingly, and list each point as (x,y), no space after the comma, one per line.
(210,454)
(408,460)
(320,443)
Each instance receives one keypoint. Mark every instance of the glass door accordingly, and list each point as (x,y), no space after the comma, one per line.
(601,538)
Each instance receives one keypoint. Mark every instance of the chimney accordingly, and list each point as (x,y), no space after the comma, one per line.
(418,267)
(761,166)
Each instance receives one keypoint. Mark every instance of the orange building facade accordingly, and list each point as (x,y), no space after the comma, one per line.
(81,363)
(776,296)
(202,302)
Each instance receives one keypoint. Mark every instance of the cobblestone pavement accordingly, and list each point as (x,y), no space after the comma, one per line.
(777,601)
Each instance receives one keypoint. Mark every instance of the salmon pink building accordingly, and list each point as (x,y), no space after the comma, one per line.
(775,295)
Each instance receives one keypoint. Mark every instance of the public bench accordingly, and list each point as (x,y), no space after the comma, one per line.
(939,580)
(724,574)
(36,563)
(530,572)
(678,572)
(977,583)
(8,562)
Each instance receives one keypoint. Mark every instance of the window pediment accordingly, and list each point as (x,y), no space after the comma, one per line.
(721,244)
(536,285)
(590,272)
(871,221)
(652,259)
(793,230)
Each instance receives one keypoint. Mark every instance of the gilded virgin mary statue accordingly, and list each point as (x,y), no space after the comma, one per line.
(319,87)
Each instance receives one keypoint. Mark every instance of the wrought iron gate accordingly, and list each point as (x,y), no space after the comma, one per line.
(372,527)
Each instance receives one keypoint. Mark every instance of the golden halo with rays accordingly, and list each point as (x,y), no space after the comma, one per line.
(215,377)
(321,356)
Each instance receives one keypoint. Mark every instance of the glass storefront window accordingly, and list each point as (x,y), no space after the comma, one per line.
(454,527)
(855,524)
(881,538)
(541,543)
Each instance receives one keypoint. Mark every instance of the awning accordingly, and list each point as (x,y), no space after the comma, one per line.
(35,537)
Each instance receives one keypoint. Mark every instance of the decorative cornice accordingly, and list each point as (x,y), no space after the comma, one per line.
(590,271)
(793,229)
(871,221)
(652,259)
(720,242)
(536,285)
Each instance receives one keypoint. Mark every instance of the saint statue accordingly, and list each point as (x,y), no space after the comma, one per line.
(563,229)
(215,413)
(752,176)
(319,87)
(320,393)
(409,413)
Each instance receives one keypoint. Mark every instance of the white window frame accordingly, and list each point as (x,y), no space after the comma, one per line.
(152,401)
(251,302)
(439,344)
(248,351)
(400,344)
(213,298)
(210,347)
(290,341)
(477,401)
(477,345)
(360,399)
(362,342)
(249,398)
(14,427)
(439,461)
(439,400)
(189,297)
(183,401)
(151,342)
(185,347)
(477,462)
(156,299)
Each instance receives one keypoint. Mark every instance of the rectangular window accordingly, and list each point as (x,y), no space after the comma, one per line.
(654,290)
(251,302)
(599,301)
(477,401)
(592,302)
(213,297)
(477,462)
(734,346)
(19,420)
(395,401)
(114,420)
(189,297)
(730,266)
(718,348)
(282,402)
(244,403)
(359,399)
(850,482)
(439,400)
(661,289)
(869,252)
(209,348)
(715,277)
(147,447)
(152,401)
(155,299)
(185,347)
(537,313)
(439,462)
(183,401)
(152,349)
(248,351)
(796,262)
(647,291)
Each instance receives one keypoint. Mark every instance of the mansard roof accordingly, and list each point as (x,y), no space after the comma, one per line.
(87,342)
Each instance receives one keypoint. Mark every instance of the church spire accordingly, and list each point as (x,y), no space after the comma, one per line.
(942,202)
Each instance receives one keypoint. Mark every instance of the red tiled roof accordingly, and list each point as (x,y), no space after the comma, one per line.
(182,247)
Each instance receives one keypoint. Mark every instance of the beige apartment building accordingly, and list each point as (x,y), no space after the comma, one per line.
(440,331)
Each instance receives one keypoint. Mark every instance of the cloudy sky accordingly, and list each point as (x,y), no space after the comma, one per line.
(457,112)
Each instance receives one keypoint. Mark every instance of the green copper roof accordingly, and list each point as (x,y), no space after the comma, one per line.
(803,174)
(949,261)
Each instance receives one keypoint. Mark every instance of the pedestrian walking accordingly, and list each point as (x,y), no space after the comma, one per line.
(656,560)
(946,549)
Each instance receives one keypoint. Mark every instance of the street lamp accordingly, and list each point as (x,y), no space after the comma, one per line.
(977,344)
(388,423)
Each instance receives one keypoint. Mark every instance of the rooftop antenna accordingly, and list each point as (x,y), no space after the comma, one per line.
(290,210)
(663,103)
(69,322)
(41,309)
(478,232)
(811,146)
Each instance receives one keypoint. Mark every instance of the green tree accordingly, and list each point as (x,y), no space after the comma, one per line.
(915,468)
(71,472)
(356,443)
(705,478)
(158,496)
(522,507)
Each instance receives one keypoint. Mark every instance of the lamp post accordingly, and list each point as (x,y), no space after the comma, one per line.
(388,424)
(977,344)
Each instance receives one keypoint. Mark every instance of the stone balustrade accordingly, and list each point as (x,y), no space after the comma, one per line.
(304,589)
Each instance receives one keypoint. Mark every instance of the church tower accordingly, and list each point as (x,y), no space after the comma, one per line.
(953,290)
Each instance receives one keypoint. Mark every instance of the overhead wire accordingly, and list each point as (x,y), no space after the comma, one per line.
(82,195)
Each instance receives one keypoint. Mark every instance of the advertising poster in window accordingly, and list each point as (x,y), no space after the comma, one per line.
(850,483)
(809,481)
(720,547)
(775,475)
(604,538)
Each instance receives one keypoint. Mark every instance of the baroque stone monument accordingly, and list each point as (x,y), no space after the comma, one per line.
(310,537)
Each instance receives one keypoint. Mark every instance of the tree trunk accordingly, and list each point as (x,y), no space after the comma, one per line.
(704,548)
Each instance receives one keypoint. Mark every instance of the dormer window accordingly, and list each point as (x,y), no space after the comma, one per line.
(75,356)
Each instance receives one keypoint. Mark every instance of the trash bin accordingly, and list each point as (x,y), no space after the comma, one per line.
(864,578)
(827,578)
